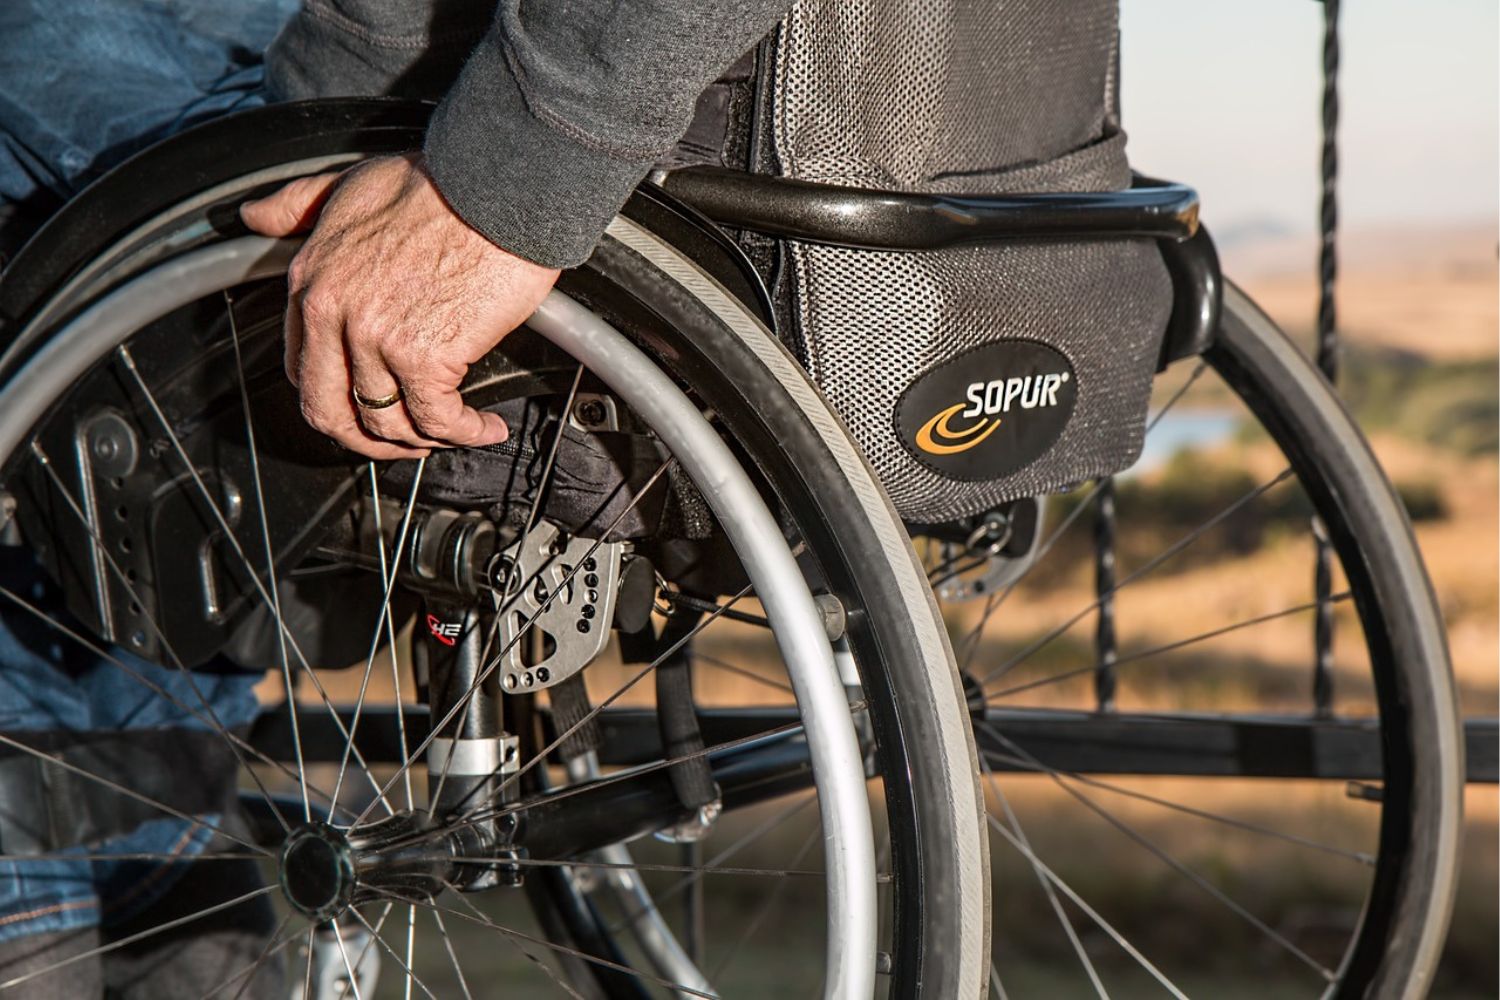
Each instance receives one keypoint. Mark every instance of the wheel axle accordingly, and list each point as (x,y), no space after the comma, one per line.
(325,870)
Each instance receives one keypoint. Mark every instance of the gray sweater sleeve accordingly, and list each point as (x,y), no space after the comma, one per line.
(560,110)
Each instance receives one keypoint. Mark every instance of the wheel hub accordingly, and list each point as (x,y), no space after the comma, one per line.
(317,871)
(325,870)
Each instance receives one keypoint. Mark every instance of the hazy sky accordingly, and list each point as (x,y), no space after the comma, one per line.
(1223,94)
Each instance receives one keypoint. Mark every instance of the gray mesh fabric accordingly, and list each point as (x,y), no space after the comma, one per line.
(967,96)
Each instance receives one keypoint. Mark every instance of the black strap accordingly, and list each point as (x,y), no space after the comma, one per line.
(677,714)
(46,807)
(570,706)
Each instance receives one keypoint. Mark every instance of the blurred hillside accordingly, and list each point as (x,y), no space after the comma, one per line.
(1428,292)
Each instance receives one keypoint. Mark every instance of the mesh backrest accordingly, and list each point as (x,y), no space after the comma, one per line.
(967,96)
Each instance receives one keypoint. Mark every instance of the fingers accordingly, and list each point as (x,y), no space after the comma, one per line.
(438,412)
(327,361)
(323,378)
(293,209)
(292,332)
(372,379)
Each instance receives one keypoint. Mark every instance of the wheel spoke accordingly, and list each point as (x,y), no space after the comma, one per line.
(971,642)
(533,959)
(1036,766)
(265,534)
(338,936)
(359,960)
(411,977)
(477,917)
(411,947)
(157,689)
(1057,908)
(713,661)
(1182,390)
(1137,574)
(458,969)
(273,944)
(146,799)
(388,581)
(1093,914)
(176,661)
(390,628)
(1197,878)
(1169,647)
(128,361)
(744,841)
(766,906)
(996,986)
(707,868)
(494,663)
(307,975)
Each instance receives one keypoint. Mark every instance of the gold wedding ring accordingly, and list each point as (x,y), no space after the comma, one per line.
(378,403)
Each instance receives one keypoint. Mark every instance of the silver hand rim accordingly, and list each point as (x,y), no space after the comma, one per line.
(768,560)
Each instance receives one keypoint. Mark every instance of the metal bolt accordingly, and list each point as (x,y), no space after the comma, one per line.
(590,412)
(503,574)
(583,625)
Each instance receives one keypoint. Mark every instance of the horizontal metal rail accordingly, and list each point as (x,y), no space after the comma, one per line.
(1230,746)
(869,219)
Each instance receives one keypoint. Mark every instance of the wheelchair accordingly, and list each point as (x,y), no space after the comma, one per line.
(665,685)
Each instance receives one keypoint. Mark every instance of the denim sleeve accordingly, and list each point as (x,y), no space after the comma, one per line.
(560,110)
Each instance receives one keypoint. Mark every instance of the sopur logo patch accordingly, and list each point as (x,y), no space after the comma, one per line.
(989,411)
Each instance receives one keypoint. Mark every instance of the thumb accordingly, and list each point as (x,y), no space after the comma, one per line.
(292,209)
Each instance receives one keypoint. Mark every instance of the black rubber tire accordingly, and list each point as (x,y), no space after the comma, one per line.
(1406,915)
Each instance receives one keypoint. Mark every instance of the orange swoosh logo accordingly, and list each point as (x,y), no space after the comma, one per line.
(937,430)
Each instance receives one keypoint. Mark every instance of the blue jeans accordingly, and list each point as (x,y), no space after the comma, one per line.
(83,84)
(49,682)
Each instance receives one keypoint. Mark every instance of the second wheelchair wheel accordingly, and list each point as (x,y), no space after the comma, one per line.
(1212,766)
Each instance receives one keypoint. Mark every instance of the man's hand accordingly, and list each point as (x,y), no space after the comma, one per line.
(392,292)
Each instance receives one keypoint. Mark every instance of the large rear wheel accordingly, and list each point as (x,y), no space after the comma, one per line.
(728,529)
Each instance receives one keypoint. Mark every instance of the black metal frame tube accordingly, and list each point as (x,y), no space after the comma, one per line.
(867,219)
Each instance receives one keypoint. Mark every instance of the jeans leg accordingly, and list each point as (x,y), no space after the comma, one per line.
(84,83)
(50,683)
(80,979)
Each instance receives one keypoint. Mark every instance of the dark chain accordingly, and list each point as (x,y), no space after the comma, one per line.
(1104,590)
(1327,345)
(1328,214)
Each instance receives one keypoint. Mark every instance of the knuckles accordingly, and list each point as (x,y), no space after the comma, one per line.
(319,308)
